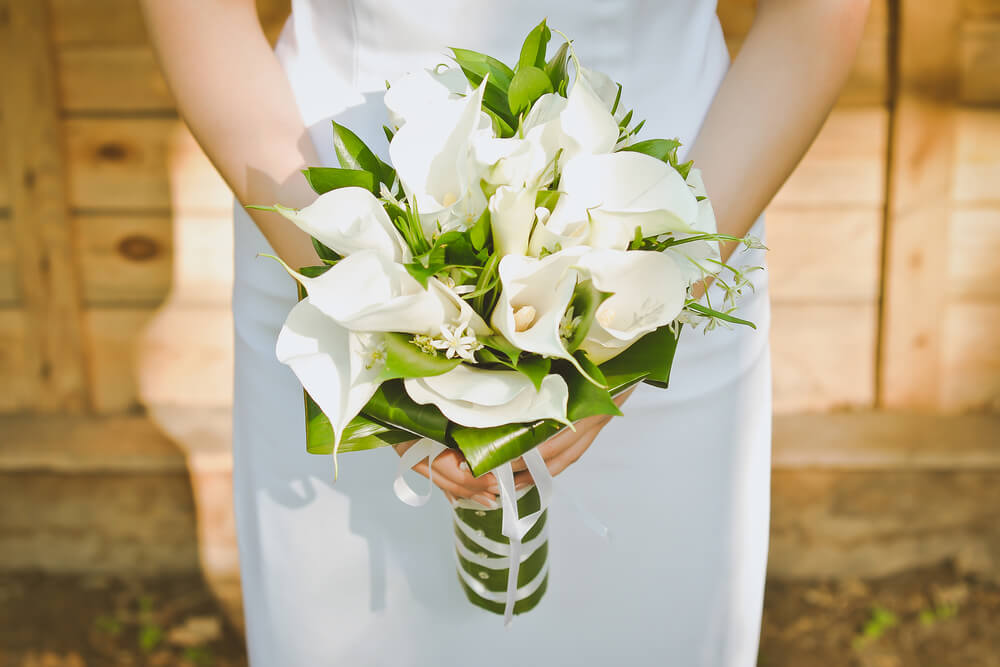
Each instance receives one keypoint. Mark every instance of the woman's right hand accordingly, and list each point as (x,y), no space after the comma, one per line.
(452,475)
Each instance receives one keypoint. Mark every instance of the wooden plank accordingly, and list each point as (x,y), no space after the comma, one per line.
(971,357)
(870,440)
(845,165)
(867,82)
(88,22)
(981,9)
(974,254)
(977,168)
(21,384)
(41,227)
(121,78)
(10,293)
(920,185)
(823,356)
(113,337)
(980,64)
(125,260)
(824,255)
(140,164)
(4,178)
(203,259)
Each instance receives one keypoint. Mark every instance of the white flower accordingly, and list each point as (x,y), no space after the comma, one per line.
(543,238)
(620,192)
(648,291)
(512,213)
(698,257)
(339,368)
(416,93)
(483,398)
(534,296)
(433,157)
(347,220)
(365,292)
(456,340)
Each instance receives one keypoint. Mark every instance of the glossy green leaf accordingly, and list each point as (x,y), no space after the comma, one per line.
(480,232)
(403,359)
(501,344)
(650,357)
(534,47)
(359,435)
(354,154)
(326,254)
(661,149)
(585,398)
(534,367)
(486,448)
(586,299)
(528,84)
(476,66)
(557,68)
(325,179)
(392,406)
(547,199)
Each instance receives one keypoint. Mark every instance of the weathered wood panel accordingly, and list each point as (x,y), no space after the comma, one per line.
(42,232)
(980,62)
(112,338)
(9,290)
(824,255)
(21,384)
(823,356)
(971,353)
(974,254)
(115,79)
(977,157)
(125,259)
(4,178)
(845,165)
(922,159)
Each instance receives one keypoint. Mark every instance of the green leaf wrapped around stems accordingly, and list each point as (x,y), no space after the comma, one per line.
(649,357)
(354,154)
(325,179)
(393,407)
(404,359)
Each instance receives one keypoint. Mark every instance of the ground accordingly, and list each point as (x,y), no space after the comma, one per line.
(932,617)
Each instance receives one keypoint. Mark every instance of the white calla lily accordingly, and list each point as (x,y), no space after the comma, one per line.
(695,256)
(484,398)
(512,213)
(587,121)
(434,159)
(336,366)
(417,93)
(533,299)
(366,292)
(513,161)
(544,239)
(619,192)
(648,291)
(348,220)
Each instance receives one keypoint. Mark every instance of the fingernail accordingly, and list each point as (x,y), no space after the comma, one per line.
(493,488)
(486,500)
(464,467)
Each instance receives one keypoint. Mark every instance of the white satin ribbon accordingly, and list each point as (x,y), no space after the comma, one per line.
(425,448)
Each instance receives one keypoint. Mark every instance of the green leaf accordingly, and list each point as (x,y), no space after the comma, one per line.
(360,434)
(557,68)
(586,398)
(476,66)
(528,85)
(684,169)
(354,154)
(389,134)
(403,359)
(534,47)
(479,233)
(711,312)
(392,406)
(650,357)
(325,179)
(486,448)
(501,344)
(535,368)
(325,254)
(547,199)
(661,149)
(586,299)
(312,272)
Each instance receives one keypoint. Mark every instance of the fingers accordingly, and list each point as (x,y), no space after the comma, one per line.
(452,478)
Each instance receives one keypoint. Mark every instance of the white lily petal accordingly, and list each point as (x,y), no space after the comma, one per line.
(546,285)
(328,361)
(543,238)
(648,291)
(416,93)
(604,87)
(348,220)
(458,309)
(587,121)
(691,256)
(366,292)
(484,398)
(512,213)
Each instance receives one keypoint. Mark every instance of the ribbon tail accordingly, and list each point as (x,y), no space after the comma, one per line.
(425,448)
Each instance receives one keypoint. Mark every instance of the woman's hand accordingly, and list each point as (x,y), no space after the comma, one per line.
(452,474)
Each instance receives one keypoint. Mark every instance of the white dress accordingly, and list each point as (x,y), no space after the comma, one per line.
(345,574)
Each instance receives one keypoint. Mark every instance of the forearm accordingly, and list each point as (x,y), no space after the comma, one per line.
(772,103)
(235,98)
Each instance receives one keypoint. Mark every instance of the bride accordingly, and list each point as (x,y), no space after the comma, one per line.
(343,574)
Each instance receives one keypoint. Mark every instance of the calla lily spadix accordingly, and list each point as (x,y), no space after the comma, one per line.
(417,93)
(348,220)
(648,291)
(619,192)
(366,292)
(483,398)
(534,296)
(333,364)
(434,159)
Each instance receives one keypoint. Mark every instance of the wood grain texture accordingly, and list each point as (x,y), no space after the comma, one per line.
(971,356)
(974,254)
(922,159)
(113,336)
(125,259)
(824,255)
(19,380)
(112,79)
(9,291)
(980,62)
(42,231)
(823,356)
(977,166)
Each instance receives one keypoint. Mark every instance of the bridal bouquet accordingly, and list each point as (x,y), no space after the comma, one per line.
(520,261)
